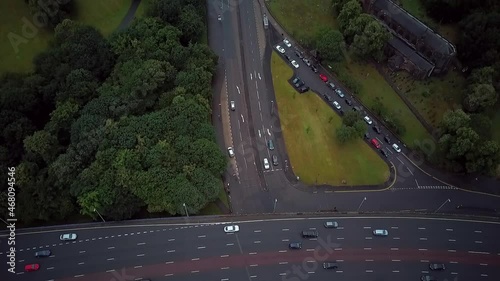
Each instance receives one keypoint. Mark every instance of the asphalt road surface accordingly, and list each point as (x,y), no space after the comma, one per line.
(470,250)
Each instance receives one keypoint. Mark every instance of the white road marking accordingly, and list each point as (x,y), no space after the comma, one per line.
(195,259)
(423,238)
(169,262)
(425,271)
(339,271)
(395,271)
(394,249)
(454,273)
(171,251)
(238,88)
(285,240)
(138,266)
(259,134)
(481,253)
(256,242)
(268,132)
(230,244)
(81,252)
(111,270)
(310,272)
(201,247)
(251,76)
(140,255)
(339,249)
(340,238)
(254,253)
(259,76)
(50,268)
(454,262)
(202,236)
(422,249)
(110,248)
(142,243)
(396,260)
(483,264)
(282,251)
(452,240)
(309,250)
(368,260)
(224,256)
(368,238)
(168,274)
(478,242)
(111,259)
(80,275)
(285,229)
(224,279)
(367,248)
(367,227)
(283,262)
(171,239)
(224,268)
(484,275)
(478,231)
(394,227)
(452,251)
(421,228)
(257,231)
(195,271)
(254,265)
(253,276)
(395,238)
(368,271)
(242,118)
(424,261)
(81,263)
(449,229)
(282,274)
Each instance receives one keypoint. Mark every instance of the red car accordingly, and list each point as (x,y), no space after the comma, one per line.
(375,143)
(323,77)
(32,267)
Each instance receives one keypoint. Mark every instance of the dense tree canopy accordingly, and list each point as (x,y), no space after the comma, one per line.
(115,125)
(330,45)
(50,13)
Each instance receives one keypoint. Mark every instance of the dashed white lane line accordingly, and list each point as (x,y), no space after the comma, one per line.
(340,238)
(21,260)
(478,242)
(111,270)
(111,248)
(367,227)
(50,268)
(454,273)
(257,231)
(421,228)
(422,249)
(254,265)
(478,231)
(449,229)
(169,262)
(195,259)
(195,271)
(452,240)
(368,271)
(483,264)
(81,263)
(309,250)
(425,271)
(81,252)
(78,276)
(230,244)
(224,279)
(484,275)
(368,238)
(285,240)
(367,248)
(253,276)
(141,243)
(396,260)
(454,262)
(285,229)
(424,261)
(423,239)
(168,274)
(140,255)
(395,271)
(394,227)
(224,256)
(171,251)
(19,273)
(310,272)
(282,274)
(224,268)
(283,262)
(201,247)
(282,251)
(256,242)
(202,236)
(396,238)
(480,253)
(253,253)
(339,271)
(171,239)
(368,260)
(452,251)
(339,249)
(111,259)
(394,249)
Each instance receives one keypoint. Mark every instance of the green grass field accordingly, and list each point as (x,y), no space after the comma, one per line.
(104,15)
(309,126)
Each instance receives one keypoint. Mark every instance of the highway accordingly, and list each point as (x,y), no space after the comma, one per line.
(259,251)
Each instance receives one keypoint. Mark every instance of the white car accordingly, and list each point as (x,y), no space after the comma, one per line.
(295,64)
(266,164)
(337,105)
(231,228)
(380,232)
(230,151)
(280,49)
(396,147)
(233,106)
(368,120)
(287,43)
(68,237)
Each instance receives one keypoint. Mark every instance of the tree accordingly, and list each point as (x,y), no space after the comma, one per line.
(371,42)
(357,26)
(479,97)
(481,124)
(485,158)
(331,46)
(191,24)
(454,120)
(345,134)
(44,144)
(360,128)
(350,118)
(338,4)
(349,12)
(50,13)
(167,10)
(482,75)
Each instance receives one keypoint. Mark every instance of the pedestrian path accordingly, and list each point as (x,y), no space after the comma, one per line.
(427,187)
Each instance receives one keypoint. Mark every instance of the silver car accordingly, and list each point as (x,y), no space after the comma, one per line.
(331,224)
(380,232)
(68,237)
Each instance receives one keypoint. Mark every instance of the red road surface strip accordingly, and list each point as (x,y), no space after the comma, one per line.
(292,257)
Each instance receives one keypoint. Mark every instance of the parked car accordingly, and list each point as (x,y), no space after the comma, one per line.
(341,112)
(377,129)
(266,164)
(299,84)
(348,101)
(287,57)
(367,120)
(306,61)
(219,18)
(330,265)
(295,80)
(280,49)
(387,139)
(233,105)
(230,151)
(336,104)
(287,43)
(384,153)
(298,54)
(31,267)
(396,147)
(275,160)
(295,64)
(428,278)
(43,254)
(309,234)
(380,232)
(314,68)
(295,246)
(376,143)
(356,108)
(332,86)
(339,92)
(328,98)
(304,89)
(231,228)
(323,77)
(437,266)
(331,224)
(68,237)
(367,136)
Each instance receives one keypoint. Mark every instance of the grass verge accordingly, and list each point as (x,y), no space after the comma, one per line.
(212,208)
(309,125)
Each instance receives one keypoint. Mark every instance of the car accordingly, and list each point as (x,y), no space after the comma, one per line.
(341,112)
(299,84)
(31,267)
(270,144)
(330,265)
(437,266)
(295,245)
(331,224)
(384,153)
(332,86)
(336,104)
(323,77)
(233,105)
(377,129)
(314,69)
(367,136)
(298,54)
(348,102)
(287,57)
(280,49)
(375,143)
(306,61)
(304,89)
(368,120)
(68,237)
(339,92)
(295,64)
(275,160)
(230,151)
(219,17)
(266,164)
(287,43)
(295,80)
(380,232)
(329,98)
(396,147)
(231,228)
(387,139)
(309,234)
(428,278)
(43,254)
(356,108)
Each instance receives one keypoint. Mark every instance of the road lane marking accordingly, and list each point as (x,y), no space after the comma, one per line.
(254,265)
(195,271)
(367,248)
(396,260)
(425,271)
(452,251)
(480,253)
(140,255)
(478,231)
(171,239)
(224,268)
(80,263)
(253,276)
(283,262)
(452,240)
(478,242)
(454,262)
(421,228)
(224,256)
(454,273)
(202,236)
(483,264)
(423,239)
(111,259)
(484,275)
(19,273)
(254,253)
(111,270)
(395,271)
(110,248)
(282,251)
(256,242)
(81,252)
(368,271)
(309,250)
(449,229)
(394,227)
(78,276)
(224,279)
(169,262)
(394,249)
(368,238)
(195,259)
(285,240)
(282,274)
(257,231)
(424,261)
(168,274)
(171,251)
(337,249)
(138,266)
(230,244)
(367,227)
(395,238)
(310,272)
(139,244)
(50,268)
(201,247)
(340,238)
(368,260)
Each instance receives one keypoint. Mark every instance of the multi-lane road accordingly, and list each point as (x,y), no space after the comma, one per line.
(470,250)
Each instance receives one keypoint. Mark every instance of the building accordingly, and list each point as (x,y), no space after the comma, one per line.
(414,46)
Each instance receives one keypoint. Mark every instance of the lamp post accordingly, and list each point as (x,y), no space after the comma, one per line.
(95,210)
(274,208)
(364,199)
(272,107)
(444,203)
(185,209)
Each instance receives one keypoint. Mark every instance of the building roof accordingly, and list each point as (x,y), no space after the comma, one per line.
(415,27)
(410,54)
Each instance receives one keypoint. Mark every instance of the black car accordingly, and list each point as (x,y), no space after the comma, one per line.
(428,278)
(295,246)
(367,136)
(314,69)
(309,234)
(330,265)
(341,112)
(275,160)
(329,98)
(295,80)
(288,58)
(387,139)
(299,84)
(348,101)
(304,89)
(437,266)
(43,254)
(356,108)
(306,61)
(298,54)
(384,153)
(377,129)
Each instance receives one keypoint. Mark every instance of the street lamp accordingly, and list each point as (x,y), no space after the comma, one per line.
(272,107)
(364,199)
(446,201)
(274,208)
(185,209)
(95,210)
